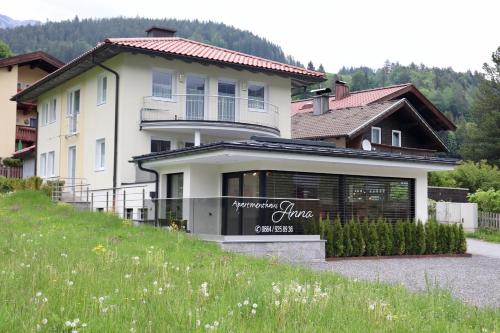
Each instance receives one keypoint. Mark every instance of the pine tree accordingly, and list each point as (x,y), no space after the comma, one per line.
(321,68)
(338,238)
(5,51)
(328,236)
(358,244)
(420,238)
(430,237)
(382,236)
(310,66)
(365,233)
(399,238)
(346,234)
(390,237)
(409,232)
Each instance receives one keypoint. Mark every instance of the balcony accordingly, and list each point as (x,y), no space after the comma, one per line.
(25,133)
(403,150)
(214,114)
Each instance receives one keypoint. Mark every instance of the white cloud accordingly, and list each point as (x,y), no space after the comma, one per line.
(460,34)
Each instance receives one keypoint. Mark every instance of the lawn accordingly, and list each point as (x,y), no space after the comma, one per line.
(63,270)
(485,234)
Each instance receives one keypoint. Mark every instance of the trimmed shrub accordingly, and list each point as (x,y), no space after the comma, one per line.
(430,237)
(328,236)
(399,238)
(382,235)
(372,243)
(358,244)
(347,244)
(338,238)
(409,231)
(462,243)
(420,238)
(365,231)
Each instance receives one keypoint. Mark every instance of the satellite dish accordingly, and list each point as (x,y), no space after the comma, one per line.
(366,145)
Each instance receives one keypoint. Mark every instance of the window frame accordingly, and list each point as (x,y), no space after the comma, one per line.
(70,110)
(159,139)
(52,111)
(379,135)
(44,115)
(102,96)
(51,164)
(266,94)
(399,138)
(173,84)
(100,158)
(43,165)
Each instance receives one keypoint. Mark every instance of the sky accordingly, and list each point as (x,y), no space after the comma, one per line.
(458,34)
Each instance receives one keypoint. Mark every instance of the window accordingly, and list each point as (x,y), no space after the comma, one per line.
(376,135)
(256,97)
(45,114)
(188,144)
(100,154)
(129,213)
(175,193)
(162,84)
(143,214)
(396,138)
(43,165)
(50,164)
(159,146)
(73,110)
(52,111)
(102,89)
(100,210)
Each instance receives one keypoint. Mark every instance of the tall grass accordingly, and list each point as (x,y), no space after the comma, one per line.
(63,270)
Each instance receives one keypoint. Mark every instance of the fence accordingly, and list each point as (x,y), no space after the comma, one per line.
(11,172)
(455,212)
(489,220)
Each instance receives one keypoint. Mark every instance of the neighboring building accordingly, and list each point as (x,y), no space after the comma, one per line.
(398,119)
(209,131)
(19,120)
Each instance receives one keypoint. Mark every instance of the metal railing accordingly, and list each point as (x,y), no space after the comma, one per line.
(69,189)
(131,202)
(210,108)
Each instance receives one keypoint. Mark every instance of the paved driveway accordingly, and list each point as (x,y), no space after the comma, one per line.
(483,248)
(474,280)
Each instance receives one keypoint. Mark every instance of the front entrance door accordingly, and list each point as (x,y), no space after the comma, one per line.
(71,168)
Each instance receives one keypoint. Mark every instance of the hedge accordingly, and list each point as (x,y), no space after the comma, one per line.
(372,238)
(31,183)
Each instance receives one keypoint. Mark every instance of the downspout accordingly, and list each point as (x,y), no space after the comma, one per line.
(115,143)
(157,186)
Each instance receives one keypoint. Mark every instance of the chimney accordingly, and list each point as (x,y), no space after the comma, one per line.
(321,101)
(160,32)
(341,90)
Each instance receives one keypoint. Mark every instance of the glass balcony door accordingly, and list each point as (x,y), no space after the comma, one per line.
(195,97)
(227,101)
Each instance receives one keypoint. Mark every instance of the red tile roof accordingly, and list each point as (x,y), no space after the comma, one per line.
(26,58)
(190,48)
(355,99)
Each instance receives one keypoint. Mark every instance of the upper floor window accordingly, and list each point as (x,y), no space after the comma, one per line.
(396,138)
(49,112)
(159,145)
(73,110)
(44,115)
(100,153)
(376,135)
(162,84)
(256,96)
(102,89)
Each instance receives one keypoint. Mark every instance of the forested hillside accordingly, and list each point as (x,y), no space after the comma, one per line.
(68,39)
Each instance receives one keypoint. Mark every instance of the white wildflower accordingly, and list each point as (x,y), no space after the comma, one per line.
(38,294)
(127,276)
(44,321)
(246,302)
(277,303)
(254,306)
(254,311)
(204,289)
(70,283)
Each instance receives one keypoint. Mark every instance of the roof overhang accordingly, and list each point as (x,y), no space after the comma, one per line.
(232,152)
(38,59)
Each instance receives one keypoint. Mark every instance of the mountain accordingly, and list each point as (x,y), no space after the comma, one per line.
(7,22)
(68,39)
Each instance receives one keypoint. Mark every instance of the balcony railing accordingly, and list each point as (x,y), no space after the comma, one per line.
(210,108)
(25,133)
(403,150)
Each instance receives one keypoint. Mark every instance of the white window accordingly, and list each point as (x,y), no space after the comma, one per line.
(102,89)
(43,165)
(52,111)
(73,110)
(44,115)
(162,84)
(100,154)
(376,135)
(256,96)
(50,163)
(396,138)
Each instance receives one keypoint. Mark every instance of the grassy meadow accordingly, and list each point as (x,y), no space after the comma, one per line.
(64,271)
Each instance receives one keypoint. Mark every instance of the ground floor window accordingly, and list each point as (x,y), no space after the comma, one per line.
(345,196)
(175,194)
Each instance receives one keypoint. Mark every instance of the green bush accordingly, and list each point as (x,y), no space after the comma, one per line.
(420,238)
(487,201)
(430,237)
(409,231)
(383,234)
(12,162)
(347,235)
(358,244)
(462,242)
(372,242)
(338,238)
(399,238)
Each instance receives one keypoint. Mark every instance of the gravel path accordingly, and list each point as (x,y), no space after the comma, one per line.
(474,280)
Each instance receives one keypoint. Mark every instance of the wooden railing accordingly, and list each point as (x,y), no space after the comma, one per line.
(489,220)
(403,150)
(25,133)
(11,172)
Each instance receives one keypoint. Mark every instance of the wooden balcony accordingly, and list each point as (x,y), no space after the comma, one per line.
(25,133)
(403,150)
